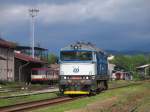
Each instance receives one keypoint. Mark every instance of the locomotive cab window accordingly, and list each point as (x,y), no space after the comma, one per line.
(76,56)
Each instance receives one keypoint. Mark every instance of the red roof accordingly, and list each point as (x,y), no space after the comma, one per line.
(7,44)
(28,58)
(44,69)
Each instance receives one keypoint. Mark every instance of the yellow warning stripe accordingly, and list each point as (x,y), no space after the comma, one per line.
(76,92)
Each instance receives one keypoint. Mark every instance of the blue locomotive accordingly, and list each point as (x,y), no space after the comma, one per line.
(83,69)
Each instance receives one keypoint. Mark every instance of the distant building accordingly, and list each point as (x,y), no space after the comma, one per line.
(111,68)
(6,60)
(121,75)
(144,71)
(54,71)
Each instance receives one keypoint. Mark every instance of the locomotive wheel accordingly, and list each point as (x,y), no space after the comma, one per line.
(92,93)
(106,85)
(98,90)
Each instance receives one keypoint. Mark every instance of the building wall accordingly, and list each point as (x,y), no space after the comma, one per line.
(110,69)
(6,64)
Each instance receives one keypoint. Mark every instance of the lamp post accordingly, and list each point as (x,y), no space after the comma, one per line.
(33,13)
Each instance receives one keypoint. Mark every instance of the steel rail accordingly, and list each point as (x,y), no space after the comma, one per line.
(35,104)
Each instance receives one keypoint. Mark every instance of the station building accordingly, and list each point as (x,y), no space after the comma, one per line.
(16,62)
(6,60)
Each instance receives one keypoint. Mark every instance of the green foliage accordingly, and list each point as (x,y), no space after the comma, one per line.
(52,58)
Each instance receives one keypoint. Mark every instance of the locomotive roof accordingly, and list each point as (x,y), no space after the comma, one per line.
(82,46)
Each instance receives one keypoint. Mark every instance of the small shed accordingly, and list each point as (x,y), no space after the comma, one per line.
(144,70)
(23,66)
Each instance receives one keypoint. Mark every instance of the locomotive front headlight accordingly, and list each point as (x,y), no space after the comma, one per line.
(87,77)
(65,77)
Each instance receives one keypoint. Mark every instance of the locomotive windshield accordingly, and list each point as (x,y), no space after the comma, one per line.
(76,55)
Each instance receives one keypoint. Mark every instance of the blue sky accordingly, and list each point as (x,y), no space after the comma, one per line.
(110,24)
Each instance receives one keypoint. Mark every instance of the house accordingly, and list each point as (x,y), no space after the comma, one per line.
(144,71)
(6,60)
(121,75)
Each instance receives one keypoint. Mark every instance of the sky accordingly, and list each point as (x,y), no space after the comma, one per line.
(109,24)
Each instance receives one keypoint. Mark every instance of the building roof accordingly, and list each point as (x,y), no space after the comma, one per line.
(143,66)
(45,69)
(7,44)
(28,47)
(28,58)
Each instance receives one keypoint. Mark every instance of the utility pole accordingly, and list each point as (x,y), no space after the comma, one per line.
(33,13)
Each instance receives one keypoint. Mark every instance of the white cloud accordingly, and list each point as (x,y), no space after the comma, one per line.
(76,12)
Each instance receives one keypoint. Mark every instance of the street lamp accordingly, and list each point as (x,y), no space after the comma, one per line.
(33,13)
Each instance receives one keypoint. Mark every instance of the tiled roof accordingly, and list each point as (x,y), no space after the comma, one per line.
(143,66)
(28,58)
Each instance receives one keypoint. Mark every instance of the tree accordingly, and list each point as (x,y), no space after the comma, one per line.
(52,58)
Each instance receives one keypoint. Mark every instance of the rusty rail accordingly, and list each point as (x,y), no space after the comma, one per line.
(34,105)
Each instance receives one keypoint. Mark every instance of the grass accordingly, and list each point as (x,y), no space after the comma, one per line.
(15,88)
(125,99)
(14,85)
(29,98)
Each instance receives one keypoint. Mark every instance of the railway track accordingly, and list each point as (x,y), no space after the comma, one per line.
(43,103)
(36,104)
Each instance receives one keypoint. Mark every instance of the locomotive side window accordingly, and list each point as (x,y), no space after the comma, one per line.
(76,55)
